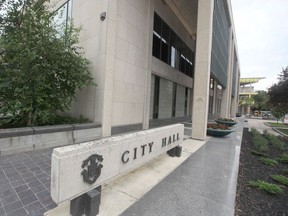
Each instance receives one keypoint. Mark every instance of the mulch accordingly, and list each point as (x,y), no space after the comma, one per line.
(251,201)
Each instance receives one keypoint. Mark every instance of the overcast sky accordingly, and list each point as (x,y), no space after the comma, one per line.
(262,38)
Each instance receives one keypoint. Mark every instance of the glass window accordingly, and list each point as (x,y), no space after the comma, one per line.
(169,48)
(63,15)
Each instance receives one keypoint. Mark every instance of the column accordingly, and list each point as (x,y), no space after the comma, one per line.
(111,27)
(226,92)
(202,69)
(234,104)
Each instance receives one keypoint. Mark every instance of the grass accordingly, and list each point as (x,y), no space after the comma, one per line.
(280,178)
(265,186)
(285,131)
(275,141)
(260,143)
(255,132)
(255,152)
(268,161)
(283,158)
(274,124)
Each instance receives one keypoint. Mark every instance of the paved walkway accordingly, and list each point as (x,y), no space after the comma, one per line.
(205,184)
(260,126)
(25,183)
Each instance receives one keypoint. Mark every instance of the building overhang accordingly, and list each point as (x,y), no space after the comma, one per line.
(186,11)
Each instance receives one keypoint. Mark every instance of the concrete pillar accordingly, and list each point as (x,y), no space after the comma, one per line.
(226,92)
(202,69)
(111,28)
(149,28)
(234,104)
(214,97)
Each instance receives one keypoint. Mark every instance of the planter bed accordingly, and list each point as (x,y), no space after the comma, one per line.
(249,200)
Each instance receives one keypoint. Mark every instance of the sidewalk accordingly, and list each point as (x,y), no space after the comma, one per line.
(205,184)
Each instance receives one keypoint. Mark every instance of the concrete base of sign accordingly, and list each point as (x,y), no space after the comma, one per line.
(121,192)
(79,168)
(87,203)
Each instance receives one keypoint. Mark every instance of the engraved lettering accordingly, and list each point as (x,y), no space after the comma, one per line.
(123,157)
(135,154)
(143,149)
(164,142)
(150,146)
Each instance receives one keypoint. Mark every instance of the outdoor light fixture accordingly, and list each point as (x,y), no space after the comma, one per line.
(103,16)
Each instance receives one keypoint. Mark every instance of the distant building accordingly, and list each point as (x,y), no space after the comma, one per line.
(156,62)
(246,93)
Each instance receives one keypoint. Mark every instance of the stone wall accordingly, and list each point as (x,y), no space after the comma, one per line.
(17,140)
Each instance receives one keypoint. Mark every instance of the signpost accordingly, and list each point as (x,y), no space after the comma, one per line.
(80,168)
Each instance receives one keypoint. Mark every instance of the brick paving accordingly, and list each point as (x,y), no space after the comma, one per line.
(25,183)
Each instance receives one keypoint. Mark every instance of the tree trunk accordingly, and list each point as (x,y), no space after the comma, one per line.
(29,119)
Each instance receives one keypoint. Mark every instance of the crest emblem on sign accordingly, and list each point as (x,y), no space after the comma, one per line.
(92,168)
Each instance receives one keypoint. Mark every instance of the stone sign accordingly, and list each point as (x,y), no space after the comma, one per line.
(79,168)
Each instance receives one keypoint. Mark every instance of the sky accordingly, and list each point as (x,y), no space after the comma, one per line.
(262,37)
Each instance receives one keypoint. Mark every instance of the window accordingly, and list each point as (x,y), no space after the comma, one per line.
(63,15)
(169,48)
(156,97)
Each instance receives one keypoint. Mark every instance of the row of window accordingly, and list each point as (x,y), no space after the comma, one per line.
(168,47)
(168,99)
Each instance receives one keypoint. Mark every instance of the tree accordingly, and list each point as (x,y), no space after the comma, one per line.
(261,100)
(41,67)
(278,92)
(277,112)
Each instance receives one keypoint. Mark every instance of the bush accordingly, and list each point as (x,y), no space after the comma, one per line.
(268,161)
(255,152)
(255,132)
(275,141)
(280,178)
(265,186)
(260,143)
(283,158)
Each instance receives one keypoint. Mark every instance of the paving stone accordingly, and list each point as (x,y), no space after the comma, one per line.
(18,212)
(9,199)
(30,179)
(9,191)
(21,188)
(28,175)
(41,175)
(45,198)
(2,212)
(29,199)
(34,183)
(25,193)
(4,181)
(35,208)
(38,188)
(5,186)
(51,206)
(13,206)
(17,183)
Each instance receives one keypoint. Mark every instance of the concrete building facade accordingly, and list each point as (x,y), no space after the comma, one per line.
(156,62)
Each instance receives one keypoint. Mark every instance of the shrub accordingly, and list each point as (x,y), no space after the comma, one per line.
(283,158)
(280,178)
(226,119)
(218,126)
(268,161)
(255,132)
(265,186)
(275,141)
(255,152)
(260,143)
